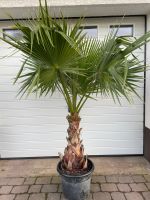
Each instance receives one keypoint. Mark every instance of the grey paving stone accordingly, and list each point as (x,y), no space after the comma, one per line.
(53,196)
(124,187)
(7,197)
(112,179)
(101,196)
(5,189)
(50,188)
(109,190)
(56,179)
(147,177)
(95,187)
(37,197)
(62,197)
(133,196)
(4,181)
(146,195)
(98,179)
(138,179)
(89,198)
(20,189)
(109,187)
(125,179)
(138,187)
(148,185)
(15,181)
(60,188)
(29,181)
(22,197)
(34,189)
(117,196)
(43,180)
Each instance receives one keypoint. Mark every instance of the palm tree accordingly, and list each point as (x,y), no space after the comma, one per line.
(60,57)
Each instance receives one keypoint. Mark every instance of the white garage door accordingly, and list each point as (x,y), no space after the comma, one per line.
(37,127)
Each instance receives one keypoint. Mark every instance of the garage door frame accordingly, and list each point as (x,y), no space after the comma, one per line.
(96,17)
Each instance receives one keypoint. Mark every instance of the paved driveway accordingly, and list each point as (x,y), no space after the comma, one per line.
(116,187)
(125,178)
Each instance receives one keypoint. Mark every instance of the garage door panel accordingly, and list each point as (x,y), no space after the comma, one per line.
(52,120)
(32,145)
(109,101)
(113,110)
(94,151)
(112,118)
(33,130)
(23,112)
(9,70)
(33,136)
(113,151)
(42,104)
(60,143)
(114,126)
(8,52)
(54,102)
(87,135)
(10,61)
(113,143)
(116,135)
(30,153)
(34,112)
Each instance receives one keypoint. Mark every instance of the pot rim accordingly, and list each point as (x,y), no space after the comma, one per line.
(59,170)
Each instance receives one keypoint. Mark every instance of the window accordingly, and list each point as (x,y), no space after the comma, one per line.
(123,30)
(91,31)
(12,32)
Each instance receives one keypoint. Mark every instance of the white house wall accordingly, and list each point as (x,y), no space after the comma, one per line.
(147,100)
(75,8)
(22,3)
(147,108)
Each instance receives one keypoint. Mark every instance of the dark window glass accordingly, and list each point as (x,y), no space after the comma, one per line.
(13,33)
(91,31)
(123,30)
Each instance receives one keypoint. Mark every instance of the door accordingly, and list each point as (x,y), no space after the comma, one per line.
(33,127)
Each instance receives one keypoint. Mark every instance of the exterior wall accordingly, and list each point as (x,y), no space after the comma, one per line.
(22,3)
(147,144)
(147,109)
(74,8)
(147,101)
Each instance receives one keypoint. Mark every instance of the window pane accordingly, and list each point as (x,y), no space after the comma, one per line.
(91,31)
(123,30)
(14,33)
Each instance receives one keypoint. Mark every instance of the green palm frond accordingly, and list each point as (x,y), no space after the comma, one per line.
(60,57)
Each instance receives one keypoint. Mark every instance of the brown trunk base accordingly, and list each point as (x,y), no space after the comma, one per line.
(74,160)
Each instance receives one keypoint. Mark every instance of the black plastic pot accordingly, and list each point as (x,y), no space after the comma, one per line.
(76,187)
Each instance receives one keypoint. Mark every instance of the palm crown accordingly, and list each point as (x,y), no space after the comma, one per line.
(60,57)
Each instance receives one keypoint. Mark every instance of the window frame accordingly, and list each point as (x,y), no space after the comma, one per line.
(123,26)
(8,29)
(90,27)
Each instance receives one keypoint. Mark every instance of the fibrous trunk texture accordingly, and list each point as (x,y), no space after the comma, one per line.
(74,160)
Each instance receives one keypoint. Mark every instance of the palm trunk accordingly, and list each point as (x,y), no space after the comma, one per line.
(74,159)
